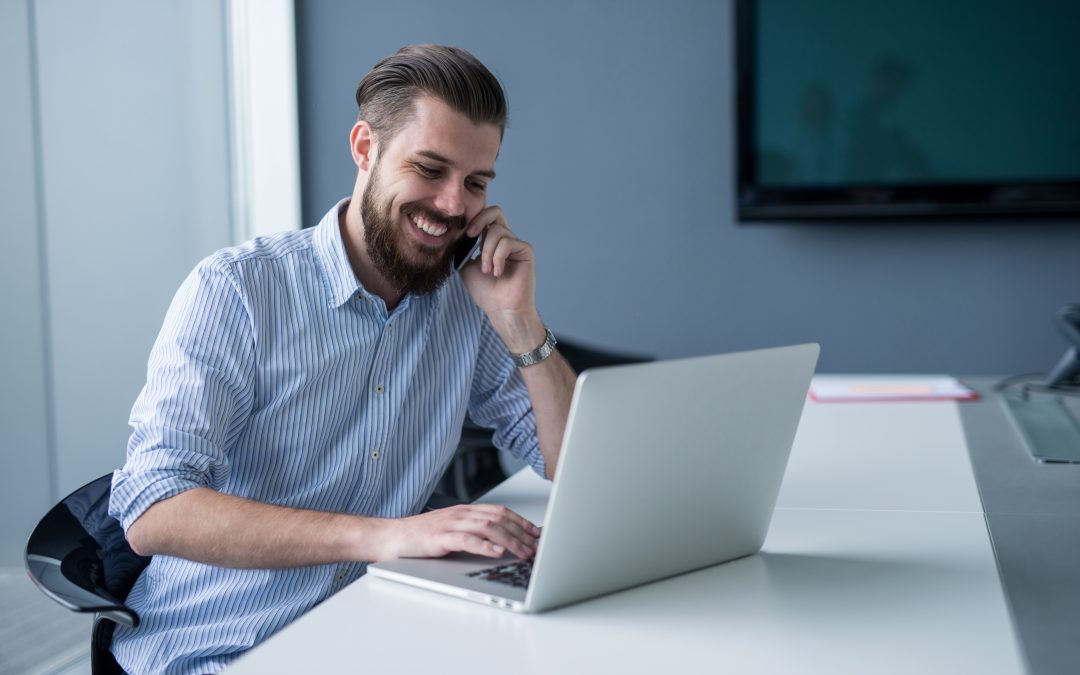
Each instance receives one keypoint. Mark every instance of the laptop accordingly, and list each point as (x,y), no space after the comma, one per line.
(666,467)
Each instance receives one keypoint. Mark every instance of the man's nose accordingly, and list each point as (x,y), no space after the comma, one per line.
(451,199)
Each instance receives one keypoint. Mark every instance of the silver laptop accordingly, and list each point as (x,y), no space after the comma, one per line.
(666,467)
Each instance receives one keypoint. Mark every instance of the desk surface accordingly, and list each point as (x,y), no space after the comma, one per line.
(878,560)
(1033,512)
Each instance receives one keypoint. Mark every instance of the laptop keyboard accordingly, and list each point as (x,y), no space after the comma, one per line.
(515,574)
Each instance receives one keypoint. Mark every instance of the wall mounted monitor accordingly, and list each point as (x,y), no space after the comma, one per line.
(907,108)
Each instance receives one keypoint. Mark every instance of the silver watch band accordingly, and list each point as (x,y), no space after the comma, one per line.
(537,355)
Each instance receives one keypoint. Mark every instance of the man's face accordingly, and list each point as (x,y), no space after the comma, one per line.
(424,187)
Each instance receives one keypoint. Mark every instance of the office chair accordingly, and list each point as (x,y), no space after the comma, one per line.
(79,557)
(581,357)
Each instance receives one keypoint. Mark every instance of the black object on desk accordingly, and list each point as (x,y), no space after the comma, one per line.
(1042,413)
(1067,369)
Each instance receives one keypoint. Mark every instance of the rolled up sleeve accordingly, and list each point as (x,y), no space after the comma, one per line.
(500,400)
(198,396)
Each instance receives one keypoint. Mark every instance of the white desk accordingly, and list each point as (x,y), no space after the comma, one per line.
(878,561)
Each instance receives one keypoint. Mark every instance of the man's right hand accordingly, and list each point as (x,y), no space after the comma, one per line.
(207,526)
(484,529)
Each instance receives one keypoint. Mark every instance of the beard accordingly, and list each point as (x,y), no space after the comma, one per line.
(387,245)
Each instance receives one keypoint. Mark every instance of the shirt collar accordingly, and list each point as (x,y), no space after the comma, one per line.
(338,276)
(340,281)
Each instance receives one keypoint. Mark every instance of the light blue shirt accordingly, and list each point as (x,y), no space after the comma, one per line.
(279,378)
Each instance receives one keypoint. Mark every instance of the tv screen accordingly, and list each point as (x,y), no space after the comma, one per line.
(907,108)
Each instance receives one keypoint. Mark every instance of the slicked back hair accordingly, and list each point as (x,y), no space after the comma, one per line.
(388,93)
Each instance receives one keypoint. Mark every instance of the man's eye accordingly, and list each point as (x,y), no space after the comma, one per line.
(428,171)
(477,186)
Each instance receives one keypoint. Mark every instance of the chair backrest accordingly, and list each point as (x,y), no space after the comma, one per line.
(582,357)
(79,557)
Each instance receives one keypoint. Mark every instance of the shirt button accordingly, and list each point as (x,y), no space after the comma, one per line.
(340,576)
(374,454)
(378,389)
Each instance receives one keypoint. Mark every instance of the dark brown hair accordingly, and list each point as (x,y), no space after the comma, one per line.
(387,94)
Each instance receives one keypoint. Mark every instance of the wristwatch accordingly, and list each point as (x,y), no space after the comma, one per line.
(537,355)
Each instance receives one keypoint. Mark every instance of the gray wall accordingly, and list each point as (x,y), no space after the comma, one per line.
(113,184)
(618,167)
(25,461)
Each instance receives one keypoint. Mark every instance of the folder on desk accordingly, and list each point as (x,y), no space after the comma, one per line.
(891,388)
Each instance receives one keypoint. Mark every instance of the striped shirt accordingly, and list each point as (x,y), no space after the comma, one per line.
(279,378)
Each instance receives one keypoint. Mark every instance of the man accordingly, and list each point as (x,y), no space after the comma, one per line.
(307,390)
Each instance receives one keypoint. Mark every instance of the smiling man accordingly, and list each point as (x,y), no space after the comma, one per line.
(307,390)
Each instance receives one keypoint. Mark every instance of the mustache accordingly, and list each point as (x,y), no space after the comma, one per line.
(451,222)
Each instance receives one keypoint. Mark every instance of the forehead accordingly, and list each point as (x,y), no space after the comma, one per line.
(437,128)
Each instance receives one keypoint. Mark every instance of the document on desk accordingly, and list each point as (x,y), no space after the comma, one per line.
(889,388)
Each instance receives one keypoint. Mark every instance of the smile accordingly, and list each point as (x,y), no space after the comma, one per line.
(426,226)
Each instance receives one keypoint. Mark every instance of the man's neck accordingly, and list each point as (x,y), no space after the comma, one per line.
(352,235)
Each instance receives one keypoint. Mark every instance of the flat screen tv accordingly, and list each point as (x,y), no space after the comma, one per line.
(907,108)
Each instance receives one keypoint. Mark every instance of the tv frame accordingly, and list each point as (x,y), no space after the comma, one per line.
(870,200)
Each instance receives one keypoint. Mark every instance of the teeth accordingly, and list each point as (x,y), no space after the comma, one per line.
(430,228)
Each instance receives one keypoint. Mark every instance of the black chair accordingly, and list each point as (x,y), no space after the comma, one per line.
(79,557)
(582,357)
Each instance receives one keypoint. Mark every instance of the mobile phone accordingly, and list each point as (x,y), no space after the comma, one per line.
(469,248)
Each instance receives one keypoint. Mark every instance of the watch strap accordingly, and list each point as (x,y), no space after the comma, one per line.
(537,355)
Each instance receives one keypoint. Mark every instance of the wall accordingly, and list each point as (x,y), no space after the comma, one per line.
(25,458)
(618,167)
(116,183)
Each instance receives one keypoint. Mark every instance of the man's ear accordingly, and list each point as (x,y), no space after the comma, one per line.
(362,144)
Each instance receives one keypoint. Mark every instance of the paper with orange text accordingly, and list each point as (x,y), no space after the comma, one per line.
(890,388)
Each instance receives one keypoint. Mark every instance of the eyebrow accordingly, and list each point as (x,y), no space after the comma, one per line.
(431,154)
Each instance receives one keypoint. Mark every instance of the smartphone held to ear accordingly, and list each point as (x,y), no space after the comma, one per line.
(468,248)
